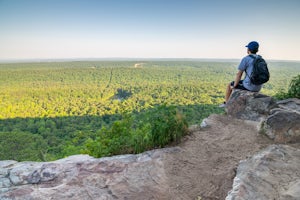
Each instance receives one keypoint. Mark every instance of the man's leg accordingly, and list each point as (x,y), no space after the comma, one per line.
(229,89)
(227,95)
(228,92)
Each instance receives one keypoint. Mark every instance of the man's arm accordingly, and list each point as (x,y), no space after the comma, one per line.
(238,78)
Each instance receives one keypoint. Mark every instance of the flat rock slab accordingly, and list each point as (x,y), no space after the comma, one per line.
(83,177)
(273,173)
(283,123)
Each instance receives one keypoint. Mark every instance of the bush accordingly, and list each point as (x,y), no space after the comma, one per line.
(21,146)
(293,90)
(111,141)
(167,125)
(152,129)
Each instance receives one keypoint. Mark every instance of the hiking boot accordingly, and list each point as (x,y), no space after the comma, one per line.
(223,105)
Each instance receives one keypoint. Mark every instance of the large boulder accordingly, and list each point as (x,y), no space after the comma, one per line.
(274,173)
(280,120)
(283,123)
(84,177)
(249,105)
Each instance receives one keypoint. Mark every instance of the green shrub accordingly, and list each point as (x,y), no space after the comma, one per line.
(167,125)
(111,141)
(22,146)
(293,90)
(152,129)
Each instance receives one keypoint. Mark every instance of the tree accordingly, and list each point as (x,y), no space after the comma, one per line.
(293,90)
(21,146)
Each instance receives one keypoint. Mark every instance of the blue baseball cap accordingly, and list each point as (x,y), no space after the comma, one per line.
(253,45)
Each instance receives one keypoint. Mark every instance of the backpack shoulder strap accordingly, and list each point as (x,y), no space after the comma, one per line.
(254,56)
(251,56)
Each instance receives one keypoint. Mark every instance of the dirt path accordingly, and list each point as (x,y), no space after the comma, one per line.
(205,167)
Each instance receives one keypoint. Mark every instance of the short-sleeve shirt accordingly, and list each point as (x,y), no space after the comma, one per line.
(246,65)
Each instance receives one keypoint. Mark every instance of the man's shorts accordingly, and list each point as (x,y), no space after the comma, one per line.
(239,86)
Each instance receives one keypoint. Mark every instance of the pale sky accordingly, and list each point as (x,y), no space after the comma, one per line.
(50,29)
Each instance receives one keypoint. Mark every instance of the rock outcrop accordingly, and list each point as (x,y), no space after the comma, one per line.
(249,105)
(83,177)
(283,122)
(280,120)
(274,173)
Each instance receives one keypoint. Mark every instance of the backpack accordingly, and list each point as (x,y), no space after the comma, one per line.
(260,73)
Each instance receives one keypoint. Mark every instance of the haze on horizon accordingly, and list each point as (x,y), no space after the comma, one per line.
(57,29)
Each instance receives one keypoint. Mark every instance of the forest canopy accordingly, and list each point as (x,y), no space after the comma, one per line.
(56,109)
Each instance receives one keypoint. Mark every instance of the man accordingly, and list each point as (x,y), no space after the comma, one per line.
(246,65)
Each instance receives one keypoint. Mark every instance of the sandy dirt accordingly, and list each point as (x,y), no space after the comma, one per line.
(205,168)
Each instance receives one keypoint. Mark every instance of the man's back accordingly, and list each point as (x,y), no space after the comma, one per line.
(246,65)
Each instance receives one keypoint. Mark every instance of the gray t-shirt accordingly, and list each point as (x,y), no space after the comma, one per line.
(246,65)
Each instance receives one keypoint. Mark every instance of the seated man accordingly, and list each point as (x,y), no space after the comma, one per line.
(246,65)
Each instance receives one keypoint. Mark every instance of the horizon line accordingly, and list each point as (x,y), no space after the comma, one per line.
(20,60)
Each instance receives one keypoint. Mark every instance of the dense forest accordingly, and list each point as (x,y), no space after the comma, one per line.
(49,110)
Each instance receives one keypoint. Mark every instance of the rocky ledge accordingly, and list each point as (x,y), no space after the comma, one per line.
(209,156)
(84,177)
(273,173)
(280,120)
